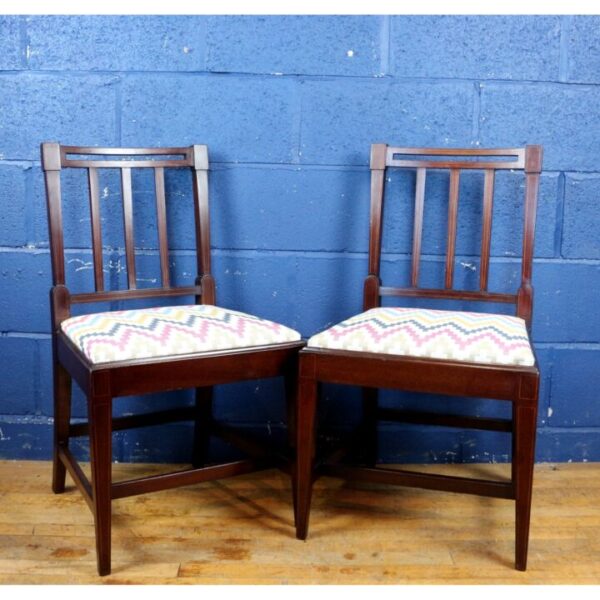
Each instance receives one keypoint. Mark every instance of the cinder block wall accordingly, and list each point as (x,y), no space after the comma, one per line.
(289,107)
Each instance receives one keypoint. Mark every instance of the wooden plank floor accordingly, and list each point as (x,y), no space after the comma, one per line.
(240,531)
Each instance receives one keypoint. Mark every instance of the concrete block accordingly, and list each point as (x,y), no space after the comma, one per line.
(581,217)
(562,445)
(560,118)
(239,118)
(291,44)
(13,216)
(566,295)
(78,110)
(116,42)
(583,48)
(26,276)
(476,46)
(25,438)
(341,119)
(10,43)
(574,391)
(19,374)
(291,208)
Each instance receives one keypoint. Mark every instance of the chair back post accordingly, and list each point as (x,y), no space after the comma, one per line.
(59,294)
(533,167)
(202,220)
(373,281)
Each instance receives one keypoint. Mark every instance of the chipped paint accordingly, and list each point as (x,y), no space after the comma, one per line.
(85,265)
(468,265)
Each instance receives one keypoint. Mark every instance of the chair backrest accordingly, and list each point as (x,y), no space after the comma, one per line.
(383,157)
(56,158)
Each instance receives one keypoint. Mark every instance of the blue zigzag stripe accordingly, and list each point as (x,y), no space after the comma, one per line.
(430,328)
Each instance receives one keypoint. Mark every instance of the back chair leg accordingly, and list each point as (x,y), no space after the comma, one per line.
(305,451)
(370,423)
(524,431)
(62,420)
(100,420)
(202,426)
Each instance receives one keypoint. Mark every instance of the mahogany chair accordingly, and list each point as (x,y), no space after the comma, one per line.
(456,353)
(123,353)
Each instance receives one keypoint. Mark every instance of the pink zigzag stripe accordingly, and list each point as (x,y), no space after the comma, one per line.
(163,335)
(122,341)
(199,332)
(461,342)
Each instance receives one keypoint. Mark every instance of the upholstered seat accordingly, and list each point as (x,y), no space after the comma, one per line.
(448,335)
(171,330)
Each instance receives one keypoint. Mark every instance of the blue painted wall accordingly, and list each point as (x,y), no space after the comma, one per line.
(289,107)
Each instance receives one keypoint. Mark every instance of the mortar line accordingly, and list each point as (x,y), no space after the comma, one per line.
(385,46)
(24,42)
(476,131)
(563,57)
(560,215)
(297,114)
(119,111)
(30,228)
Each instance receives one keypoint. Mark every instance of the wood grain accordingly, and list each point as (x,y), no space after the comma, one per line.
(241,531)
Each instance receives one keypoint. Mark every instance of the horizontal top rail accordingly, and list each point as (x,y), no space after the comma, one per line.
(168,154)
(452,158)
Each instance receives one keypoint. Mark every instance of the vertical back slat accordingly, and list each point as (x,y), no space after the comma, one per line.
(128,226)
(161,215)
(418,226)
(486,235)
(452,219)
(96,229)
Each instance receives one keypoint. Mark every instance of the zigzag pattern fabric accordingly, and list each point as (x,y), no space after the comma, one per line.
(440,334)
(172,330)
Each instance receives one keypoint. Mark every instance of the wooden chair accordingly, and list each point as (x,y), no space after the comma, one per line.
(125,353)
(420,350)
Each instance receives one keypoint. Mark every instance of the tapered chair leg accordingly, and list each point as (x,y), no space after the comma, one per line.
(305,450)
(62,419)
(100,420)
(202,426)
(524,432)
(291,399)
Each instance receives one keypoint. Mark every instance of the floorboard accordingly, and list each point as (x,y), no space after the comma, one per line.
(240,531)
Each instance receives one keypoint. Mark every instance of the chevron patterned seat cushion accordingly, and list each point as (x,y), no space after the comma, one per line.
(448,335)
(167,331)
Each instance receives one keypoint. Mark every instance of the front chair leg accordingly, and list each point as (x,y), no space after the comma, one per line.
(62,420)
(202,426)
(291,400)
(524,432)
(100,422)
(305,448)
